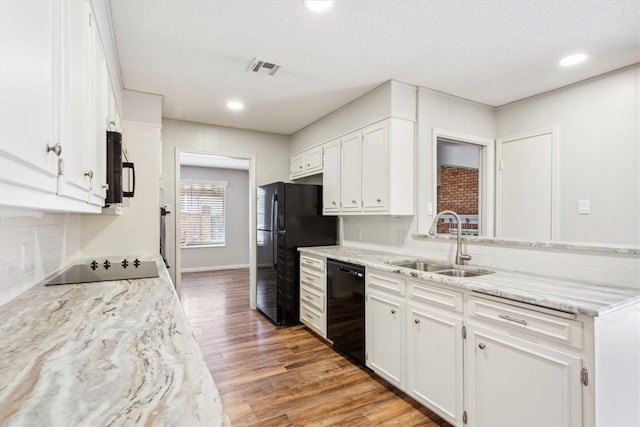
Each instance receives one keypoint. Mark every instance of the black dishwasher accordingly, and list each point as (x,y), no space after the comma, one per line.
(345,308)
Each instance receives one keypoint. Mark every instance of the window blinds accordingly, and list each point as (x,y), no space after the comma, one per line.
(202,214)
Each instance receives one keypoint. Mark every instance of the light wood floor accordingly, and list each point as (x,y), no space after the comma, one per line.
(284,377)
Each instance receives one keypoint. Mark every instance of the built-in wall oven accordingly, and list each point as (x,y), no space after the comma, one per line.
(345,309)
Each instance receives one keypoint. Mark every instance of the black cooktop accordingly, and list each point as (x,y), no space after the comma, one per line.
(95,271)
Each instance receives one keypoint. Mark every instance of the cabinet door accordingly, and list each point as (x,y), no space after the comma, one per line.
(385,337)
(296,165)
(77,135)
(313,161)
(351,173)
(101,93)
(331,178)
(29,68)
(511,381)
(375,167)
(434,372)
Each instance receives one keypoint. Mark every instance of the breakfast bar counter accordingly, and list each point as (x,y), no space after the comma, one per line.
(104,353)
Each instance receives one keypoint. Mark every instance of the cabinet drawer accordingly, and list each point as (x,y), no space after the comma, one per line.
(386,282)
(312,298)
(312,278)
(310,262)
(313,319)
(436,296)
(538,323)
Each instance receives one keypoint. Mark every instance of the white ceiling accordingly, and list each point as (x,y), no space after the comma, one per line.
(196,53)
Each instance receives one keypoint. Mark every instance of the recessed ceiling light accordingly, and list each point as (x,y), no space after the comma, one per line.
(235,105)
(574,59)
(318,5)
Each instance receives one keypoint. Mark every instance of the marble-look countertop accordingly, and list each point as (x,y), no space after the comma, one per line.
(574,297)
(103,354)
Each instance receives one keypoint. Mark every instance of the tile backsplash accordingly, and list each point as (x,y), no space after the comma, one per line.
(33,247)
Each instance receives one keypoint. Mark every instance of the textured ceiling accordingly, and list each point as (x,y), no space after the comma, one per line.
(196,53)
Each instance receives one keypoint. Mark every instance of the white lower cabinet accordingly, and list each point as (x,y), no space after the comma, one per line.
(384,326)
(513,382)
(313,293)
(384,336)
(434,360)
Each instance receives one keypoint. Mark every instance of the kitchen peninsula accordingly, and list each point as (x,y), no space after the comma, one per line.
(105,353)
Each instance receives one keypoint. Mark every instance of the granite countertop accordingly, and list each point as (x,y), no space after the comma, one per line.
(105,353)
(574,297)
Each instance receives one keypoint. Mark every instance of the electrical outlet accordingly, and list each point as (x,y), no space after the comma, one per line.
(26,257)
(584,207)
(400,236)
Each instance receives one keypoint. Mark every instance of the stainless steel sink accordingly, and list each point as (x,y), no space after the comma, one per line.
(423,266)
(463,273)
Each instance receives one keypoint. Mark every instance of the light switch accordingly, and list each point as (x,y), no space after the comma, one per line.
(584,207)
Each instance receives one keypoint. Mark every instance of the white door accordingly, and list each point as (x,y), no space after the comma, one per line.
(375,167)
(297,165)
(331,178)
(77,134)
(514,382)
(384,337)
(434,373)
(313,161)
(29,68)
(525,191)
(351,173)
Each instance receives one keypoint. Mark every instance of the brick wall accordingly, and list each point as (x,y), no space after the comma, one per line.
(458,192)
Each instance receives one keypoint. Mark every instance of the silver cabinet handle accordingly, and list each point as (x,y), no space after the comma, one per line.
(89,174)
(393,311)
(57,149)
(512,319)
(113,122)
(481,346)
(416,321)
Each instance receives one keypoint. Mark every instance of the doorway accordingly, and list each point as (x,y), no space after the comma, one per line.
(214,214)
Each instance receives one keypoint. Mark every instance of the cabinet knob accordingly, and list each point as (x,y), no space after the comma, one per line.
(378,200)
(57,149)
(393,311)
(105,186)
(113,122)
(333,203)
(308,165)
(89,174)
(481,346)
(300,166)
(353,201)
(416,321)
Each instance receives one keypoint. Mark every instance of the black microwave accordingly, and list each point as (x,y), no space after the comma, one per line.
(115,171)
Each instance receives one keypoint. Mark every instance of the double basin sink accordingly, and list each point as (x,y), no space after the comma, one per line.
(439,268)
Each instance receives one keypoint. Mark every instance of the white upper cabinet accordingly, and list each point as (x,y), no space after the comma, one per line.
(29,67)
(376,170)
(351,173)
(375,167)
(307,163)
(331,178)
(56,107)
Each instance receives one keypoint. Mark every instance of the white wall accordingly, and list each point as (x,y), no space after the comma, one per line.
(598,153)
(271,153)
(33,247)
(235,252)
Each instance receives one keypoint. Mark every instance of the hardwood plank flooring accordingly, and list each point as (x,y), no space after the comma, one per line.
(284,377)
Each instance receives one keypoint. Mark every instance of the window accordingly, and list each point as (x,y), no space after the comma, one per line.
(202,213)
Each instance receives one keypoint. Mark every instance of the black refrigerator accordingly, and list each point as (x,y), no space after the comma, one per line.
(289,216)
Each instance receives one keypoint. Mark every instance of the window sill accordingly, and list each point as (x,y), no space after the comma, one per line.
(219,245)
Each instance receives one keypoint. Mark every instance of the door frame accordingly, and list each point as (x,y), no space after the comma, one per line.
(554,131)
(486,185)
(252,216)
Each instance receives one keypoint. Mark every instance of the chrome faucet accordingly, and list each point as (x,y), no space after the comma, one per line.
(460,257)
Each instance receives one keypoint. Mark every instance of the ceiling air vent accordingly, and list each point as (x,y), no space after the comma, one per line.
(258,65)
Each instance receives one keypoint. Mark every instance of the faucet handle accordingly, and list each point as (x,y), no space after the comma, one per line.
(465,257)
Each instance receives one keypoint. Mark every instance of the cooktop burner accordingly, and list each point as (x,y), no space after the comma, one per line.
(103,271)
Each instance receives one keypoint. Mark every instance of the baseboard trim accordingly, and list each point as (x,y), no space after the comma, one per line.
(213,268)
